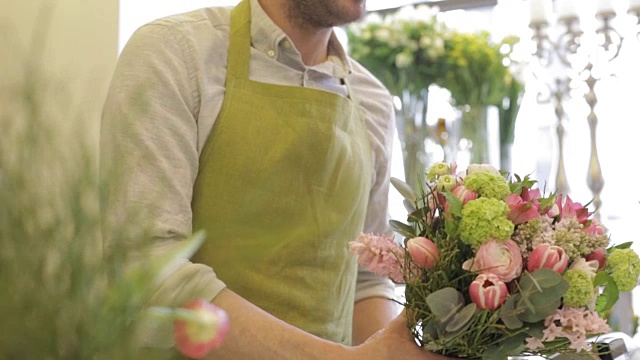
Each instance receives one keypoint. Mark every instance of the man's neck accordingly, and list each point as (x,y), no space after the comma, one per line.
(312,42)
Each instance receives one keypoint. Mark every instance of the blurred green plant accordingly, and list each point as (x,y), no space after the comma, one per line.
(63,295)
(405,49)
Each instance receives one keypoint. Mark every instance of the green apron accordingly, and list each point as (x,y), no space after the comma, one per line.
(283,186)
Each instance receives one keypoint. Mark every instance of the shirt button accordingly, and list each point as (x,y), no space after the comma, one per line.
(271,53)
(286,44)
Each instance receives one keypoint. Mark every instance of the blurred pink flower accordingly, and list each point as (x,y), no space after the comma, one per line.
(423,251)
(595,228)
(574,324)
(380,254)
(599,255)
(521,211)
(199,328)
(488,292)
(465,195)
(568,208)
(501,258)
(530,194)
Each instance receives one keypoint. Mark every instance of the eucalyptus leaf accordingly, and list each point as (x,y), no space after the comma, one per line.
(540,294)
(430,330)
(510,346)
(402,229)
(546,277)
(462,318)
(444,303)
(539,311)
(404,189)
(509,313)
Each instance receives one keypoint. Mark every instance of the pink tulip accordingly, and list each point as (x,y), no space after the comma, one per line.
(600,256)
(488,292)
(501,258)
(465,195)
(199,328)
(521,211)
(423,251)
(549,257)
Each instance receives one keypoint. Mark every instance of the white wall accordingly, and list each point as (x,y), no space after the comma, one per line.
(77,48)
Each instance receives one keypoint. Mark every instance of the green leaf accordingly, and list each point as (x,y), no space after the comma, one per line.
(461,319)
(602,278)
(510,346)
(608,297)
(402,229)
(509,314)
(540,294)
(455,204)
(539,312)
(444,303)
(547,278)
(404,189)
(165,258)
(622,246)
(408,205)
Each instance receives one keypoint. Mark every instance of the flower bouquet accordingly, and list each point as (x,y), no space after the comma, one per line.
(494,269)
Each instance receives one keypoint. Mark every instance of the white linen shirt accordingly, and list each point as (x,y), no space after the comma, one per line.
(164,98)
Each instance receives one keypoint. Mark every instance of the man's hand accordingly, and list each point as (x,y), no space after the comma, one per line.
(393,342)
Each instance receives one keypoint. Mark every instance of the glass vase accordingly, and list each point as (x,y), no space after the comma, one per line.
(473,134)
(411,123)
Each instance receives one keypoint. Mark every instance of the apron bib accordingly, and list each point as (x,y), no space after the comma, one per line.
(283,186)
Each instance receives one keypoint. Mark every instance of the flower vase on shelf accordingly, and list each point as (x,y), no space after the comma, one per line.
(505,156)
(473,132)
(411,122)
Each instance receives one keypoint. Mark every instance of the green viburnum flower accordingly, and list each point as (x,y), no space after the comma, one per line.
(624,266)
(484,219)
(447,182)
(488,185)
(438,169)
(580,290)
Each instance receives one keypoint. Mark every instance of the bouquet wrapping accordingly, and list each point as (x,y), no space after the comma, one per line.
(494,268)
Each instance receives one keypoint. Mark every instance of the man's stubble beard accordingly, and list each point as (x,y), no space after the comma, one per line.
(323,13)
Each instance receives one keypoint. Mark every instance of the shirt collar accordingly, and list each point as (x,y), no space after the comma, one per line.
(269,39)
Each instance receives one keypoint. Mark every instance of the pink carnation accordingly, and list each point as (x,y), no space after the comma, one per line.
(380,254)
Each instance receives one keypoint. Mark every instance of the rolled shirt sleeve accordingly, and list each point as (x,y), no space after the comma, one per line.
(149,139)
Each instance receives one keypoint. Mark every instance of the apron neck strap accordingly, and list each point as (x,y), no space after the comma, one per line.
(240,41)
(240,45)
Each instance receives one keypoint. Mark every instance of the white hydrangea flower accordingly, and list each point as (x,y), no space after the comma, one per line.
(403,60)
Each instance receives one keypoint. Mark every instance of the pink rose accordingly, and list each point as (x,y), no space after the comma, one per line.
(501,258)
(199,328)
(488,292)
(549,257)
(423,251)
